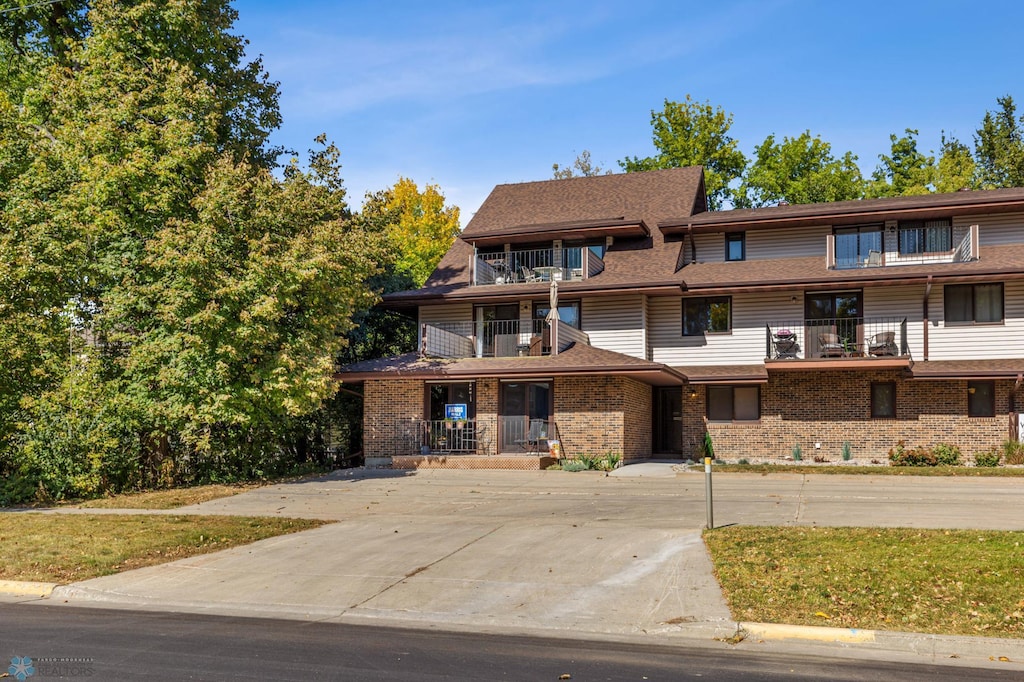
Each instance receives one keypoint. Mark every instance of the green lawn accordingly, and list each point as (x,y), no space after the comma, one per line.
(64,548)
(933,581)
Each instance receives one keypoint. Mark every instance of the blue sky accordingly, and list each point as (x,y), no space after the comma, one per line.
(468,95)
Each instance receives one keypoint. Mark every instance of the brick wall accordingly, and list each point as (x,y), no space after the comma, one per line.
(600,414)
(391,417)
(831,408)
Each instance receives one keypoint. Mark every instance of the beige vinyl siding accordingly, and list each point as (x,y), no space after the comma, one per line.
(966,342)
(710,247)
(615,323)
(787,243)
(745,345)
(1001,228)
(448,312)
(898,303)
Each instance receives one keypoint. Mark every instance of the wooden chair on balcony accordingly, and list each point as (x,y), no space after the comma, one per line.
(883,344)
(535,436)
(829,346)
(541,343)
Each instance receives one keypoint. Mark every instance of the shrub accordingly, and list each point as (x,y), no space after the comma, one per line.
(708,448)
(947,455)
(1013,452)
(611,461)
(743,462)
(987,458)
(797,453)
(901,456)
(847,451)
(573,465)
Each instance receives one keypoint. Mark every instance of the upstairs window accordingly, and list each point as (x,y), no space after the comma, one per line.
(568,312)
(707,315)
(973,303)
(926,236)
(736,246)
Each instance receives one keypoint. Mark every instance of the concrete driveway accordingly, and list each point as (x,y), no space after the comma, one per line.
(509,551)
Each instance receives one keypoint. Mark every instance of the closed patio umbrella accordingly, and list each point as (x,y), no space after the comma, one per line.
(552,316)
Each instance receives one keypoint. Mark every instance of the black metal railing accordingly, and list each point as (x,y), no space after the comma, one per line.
(443,435)
(521,266)
(850,337)
(526,435)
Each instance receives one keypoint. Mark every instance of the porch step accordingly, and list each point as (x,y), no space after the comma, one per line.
(508,462)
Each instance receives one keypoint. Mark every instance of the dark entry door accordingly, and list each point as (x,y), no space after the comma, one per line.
(668,420)
(834,318)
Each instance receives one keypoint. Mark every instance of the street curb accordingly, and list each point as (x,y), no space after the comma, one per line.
(21,588)
(964,647)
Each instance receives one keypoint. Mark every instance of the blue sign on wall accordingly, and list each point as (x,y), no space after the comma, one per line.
(456,411)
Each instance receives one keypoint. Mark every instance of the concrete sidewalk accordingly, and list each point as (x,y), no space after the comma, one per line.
(582,554)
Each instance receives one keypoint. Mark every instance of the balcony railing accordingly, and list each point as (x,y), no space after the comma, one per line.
(857,337)
(516,435)
(490,339)
(497,339)
(523,266)
(880,249)
(441,435)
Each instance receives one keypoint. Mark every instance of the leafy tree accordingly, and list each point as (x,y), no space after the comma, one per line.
(905,171)
(956,169)
(798,170)
(419,226)
(999,147)
(142,232)
(693,134)
(582,167)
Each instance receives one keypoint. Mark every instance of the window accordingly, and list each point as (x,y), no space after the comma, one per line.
(981,398)
(734,403)
(441,394)
(925,236)
(568,312)
(883,399)
(707,315)
(855,244)
(973,303)
(736,246)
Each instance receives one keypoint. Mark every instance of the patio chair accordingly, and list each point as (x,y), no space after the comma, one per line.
(874,259)
(829,346)
(528,274)
(534,436)
(785,344)
(883,344)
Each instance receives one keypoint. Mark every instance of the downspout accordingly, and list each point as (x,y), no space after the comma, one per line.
(693,245)
(927,293)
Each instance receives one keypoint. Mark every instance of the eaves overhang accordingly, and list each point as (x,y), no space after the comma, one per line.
(620,226)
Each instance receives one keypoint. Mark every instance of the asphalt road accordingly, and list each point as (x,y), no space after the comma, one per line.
(80,643)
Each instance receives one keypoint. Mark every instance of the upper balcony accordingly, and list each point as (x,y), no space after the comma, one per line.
(497,338)
(521,266)
(895,243)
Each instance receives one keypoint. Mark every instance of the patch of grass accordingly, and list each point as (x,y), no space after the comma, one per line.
(932,581)
(64,548)
(168,499)
(865,470)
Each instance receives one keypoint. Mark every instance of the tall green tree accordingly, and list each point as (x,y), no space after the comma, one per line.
(691,133)
(904,171)
(148,251)
(798,170)
(956,168)
(999,147)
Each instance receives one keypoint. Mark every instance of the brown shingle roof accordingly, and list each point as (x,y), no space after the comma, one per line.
(710,374)
(629,198)
(577,359)
(1004,260)
(968,369)
(859,210)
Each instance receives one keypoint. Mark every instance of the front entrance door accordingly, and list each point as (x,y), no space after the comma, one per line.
(668,420)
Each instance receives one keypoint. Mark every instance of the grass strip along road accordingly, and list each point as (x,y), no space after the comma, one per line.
(954,582)
(64,548)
